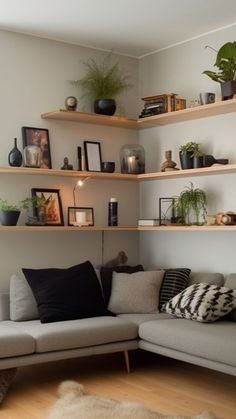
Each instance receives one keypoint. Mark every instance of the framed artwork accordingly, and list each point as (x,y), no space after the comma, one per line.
(93,157)
(167,211)
(47,206)
(80,216)
(36,147)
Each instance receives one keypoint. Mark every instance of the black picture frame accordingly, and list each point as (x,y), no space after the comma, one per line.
(86,218)
(53,215)
(31,136)
(93,156)
(167,212)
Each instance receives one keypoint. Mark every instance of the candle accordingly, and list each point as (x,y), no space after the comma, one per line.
(132,164)
(80,217)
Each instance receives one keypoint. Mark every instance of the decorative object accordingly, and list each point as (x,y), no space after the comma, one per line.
(9,213)
(102,83)
(71,103)
(79,156)
(169,164)
(225,218)
(15,156)
(108,166)
(93,156)
(75,403)
(206,98)
(113,212)
(36,147)
(190,206)
(49,210)
(194,103)
(202,302)
(167,211)
(66,165)
(209,160)
(132,159)
(80,216)
(226,75)
(185,154)
(198,159)
(154,105)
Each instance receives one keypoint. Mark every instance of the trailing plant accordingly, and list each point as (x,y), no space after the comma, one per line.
(102,80)
(189,146)
(226,63)
(191,199)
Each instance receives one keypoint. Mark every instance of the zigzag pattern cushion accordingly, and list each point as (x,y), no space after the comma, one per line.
(202,302)
(174,281)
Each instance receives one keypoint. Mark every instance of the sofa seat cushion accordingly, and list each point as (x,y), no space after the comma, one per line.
(14,342)
(81,333)
(144,317)
(215,341)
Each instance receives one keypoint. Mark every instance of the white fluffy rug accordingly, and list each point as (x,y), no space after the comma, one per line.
(73,403)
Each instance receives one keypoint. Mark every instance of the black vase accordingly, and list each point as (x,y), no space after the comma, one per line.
(186,159)
(198,162)
(105,106)
(15,156)
(228,89)
(9,218)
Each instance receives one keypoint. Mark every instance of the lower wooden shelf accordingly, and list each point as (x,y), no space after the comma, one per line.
(188,228)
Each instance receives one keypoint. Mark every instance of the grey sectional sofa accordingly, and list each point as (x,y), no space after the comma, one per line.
(212,345)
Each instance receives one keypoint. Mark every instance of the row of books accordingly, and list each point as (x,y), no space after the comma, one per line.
(154,105)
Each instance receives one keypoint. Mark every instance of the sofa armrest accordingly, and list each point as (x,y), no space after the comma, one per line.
(4,306)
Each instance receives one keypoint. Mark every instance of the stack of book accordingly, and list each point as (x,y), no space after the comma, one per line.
(148,222)
(155,105)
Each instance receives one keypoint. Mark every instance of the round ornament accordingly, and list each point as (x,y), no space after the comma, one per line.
(71,103)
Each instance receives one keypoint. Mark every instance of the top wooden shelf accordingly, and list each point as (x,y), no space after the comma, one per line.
(91,118)
(188,114)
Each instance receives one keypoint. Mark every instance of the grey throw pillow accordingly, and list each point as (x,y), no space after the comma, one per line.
(202,302)
(22,302)
(135,293)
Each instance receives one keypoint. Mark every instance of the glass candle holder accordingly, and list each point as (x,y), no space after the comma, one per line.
(132,159)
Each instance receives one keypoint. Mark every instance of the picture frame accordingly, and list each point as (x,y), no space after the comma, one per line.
(47,206)
(167,212)
(80,216)
(93,156)
(36,137)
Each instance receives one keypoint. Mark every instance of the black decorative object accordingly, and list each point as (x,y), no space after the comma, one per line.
(9,218)
(198,161)
(108,166)
(71,103)
(113,212)
(105,106)
(15,156)
(186,160)
(66,165)
(79,155)
(209,160)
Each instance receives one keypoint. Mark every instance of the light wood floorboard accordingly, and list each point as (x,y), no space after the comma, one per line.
(163,384)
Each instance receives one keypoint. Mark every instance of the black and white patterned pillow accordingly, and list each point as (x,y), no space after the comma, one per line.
(174,281)
(202,302)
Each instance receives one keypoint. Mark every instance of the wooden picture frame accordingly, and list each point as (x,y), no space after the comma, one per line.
(48,206)
(37,137)
(80,216)
(93,156)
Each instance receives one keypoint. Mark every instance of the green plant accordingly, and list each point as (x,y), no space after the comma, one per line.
(5,206)
(103,80)
(197,153)
(226,63)
(191,200)
(189,146)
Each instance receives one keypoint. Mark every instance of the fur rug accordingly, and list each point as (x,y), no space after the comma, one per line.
(73,403)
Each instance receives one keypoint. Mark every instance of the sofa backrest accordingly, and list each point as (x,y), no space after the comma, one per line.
(211,278)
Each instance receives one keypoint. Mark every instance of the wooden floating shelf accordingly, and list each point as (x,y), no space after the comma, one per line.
(39,229)
(203,111)
(187,228)
(91,118)
(203,171)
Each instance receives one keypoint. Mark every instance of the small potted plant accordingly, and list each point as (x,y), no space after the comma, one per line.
(226,75)
(190,206)
(9,213)
(102,83)
(186,152)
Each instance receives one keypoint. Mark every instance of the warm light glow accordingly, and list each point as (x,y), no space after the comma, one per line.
(80,183)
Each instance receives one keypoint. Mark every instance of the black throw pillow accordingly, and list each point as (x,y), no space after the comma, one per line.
(66,294)
(106,277)
(174,281)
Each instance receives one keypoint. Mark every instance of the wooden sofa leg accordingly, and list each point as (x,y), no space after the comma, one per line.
(6,378)
(126,354)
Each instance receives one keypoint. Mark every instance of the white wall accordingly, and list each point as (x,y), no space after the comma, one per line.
(179,69)
(34,76)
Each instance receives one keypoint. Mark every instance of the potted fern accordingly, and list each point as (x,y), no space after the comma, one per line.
(102,83)
(190,206)
(226,75)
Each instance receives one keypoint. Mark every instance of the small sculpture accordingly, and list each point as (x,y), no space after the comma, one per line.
(169,164)
(66,165)
(120,259)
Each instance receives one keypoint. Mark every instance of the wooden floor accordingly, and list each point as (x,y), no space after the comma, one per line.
(163,384)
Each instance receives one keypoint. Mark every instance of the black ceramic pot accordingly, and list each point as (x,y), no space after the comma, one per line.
(197,162)
(105,106)
(9,218)
(228,89)
(186,160)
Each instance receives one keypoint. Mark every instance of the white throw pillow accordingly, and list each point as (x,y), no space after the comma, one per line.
(135,293)
(202,302)
(23,305)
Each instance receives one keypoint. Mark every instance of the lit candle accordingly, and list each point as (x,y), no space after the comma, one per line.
(80,217)
(132,164)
